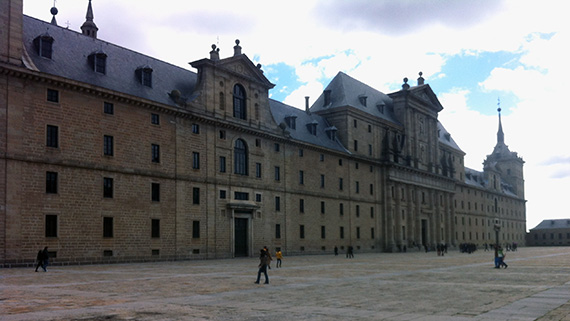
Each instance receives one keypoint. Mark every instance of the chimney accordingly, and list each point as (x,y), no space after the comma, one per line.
(237,48)
(307,105)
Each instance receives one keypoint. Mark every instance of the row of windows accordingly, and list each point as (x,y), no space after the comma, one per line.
(52,183)
(551,236)
(108,227)
(341,233)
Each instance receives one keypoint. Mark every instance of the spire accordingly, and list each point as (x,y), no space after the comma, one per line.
(500,134)
(89,28)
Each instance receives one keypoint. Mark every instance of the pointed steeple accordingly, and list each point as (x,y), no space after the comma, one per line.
(89,28)
(500,134)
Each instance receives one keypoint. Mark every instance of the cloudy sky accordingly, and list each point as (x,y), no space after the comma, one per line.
(472,53)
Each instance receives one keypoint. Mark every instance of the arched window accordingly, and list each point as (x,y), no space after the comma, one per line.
(239,102)
(240,157)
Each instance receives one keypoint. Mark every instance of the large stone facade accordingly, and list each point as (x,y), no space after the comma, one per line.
(108,155)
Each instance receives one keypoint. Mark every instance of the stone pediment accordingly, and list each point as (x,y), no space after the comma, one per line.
(242,66)
(424,94)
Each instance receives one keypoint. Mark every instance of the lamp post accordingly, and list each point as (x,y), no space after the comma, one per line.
(497,228)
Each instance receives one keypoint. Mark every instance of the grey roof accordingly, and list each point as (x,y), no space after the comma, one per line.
(70,60)
(553,224)
(347,91)
(445,137)
(281,111)
(477,179)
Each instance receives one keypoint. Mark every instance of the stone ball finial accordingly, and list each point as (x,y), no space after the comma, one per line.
(237,42)
(421,73)
(53,11)
(213,47)
(405,80)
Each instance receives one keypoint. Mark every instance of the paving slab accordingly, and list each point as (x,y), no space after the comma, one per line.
(372,286)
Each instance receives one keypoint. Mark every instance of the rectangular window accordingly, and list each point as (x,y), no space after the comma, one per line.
(108,145)
(369,150)
(301,177)
(195,160)
(52,136)
(108,108)
(155,192)
(155,153)
(277,231)
(222,134)
(195,195)
(323,232)
(301,153)
(372,233)
(301,205)
(340,183)
(155,228)
(107,227)
(258,170)
(51,182)
(371,189)
(357,210)
(258,197)
(53,95)
(277,203)
(241,196)
(195,229)
(341,232)
(277,173)
(355,145)
(276,147)
(195,129)
(322,181)
(302,231)
(107,187)
(222,164)
(357,232)
(341,209)
(222,194)
(357,187)
(371,212)
(322,157)
(322,207)
(51,226)
(155,119)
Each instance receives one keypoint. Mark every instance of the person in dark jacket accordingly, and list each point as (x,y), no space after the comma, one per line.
(263,263)
(43,259)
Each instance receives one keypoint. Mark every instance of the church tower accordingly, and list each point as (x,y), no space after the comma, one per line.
(503,168)
(89,28)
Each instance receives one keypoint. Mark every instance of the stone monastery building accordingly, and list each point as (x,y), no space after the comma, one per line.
(108,155)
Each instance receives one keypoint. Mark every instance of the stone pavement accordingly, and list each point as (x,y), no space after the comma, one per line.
(383,286)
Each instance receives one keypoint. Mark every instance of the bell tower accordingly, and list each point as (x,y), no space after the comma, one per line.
(507,164)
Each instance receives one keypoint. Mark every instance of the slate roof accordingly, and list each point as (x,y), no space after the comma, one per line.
(553,224)
(445,137)
(70,60)
(347,91)
(280,111)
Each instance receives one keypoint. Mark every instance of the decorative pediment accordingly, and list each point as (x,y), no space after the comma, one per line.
(424,94)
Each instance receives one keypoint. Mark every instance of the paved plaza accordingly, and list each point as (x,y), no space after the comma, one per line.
(383,286)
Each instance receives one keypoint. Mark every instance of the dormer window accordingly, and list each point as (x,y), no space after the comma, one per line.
(144,75)
(44,45)
(380,107)
(291,121)
(362,99)
(331,132)
(312,127)
(98,62)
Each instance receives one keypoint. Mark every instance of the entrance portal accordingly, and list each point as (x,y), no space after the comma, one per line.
(424,232)
(240,237)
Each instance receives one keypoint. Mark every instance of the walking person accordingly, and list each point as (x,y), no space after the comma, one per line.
(43,259)
(335,251)
(263,263)
(279,256)
(501,257)
(269,256)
